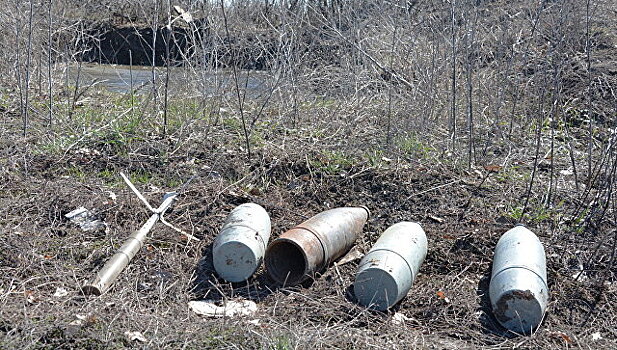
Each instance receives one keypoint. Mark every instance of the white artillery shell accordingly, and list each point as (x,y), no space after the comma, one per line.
(386,273)
(518,289)
(239,249)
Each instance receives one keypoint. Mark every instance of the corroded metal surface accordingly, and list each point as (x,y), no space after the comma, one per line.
(311,246)
(518,289)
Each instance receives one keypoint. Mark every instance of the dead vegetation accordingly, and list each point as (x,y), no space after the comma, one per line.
(468,117)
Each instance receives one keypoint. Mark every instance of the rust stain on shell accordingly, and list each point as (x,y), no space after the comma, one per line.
(316,243)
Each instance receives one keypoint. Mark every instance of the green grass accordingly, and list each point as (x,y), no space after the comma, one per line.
(536,214)
(332,162)
(140,177)
(77,172)
(411,145)
(513,173)
(282,343)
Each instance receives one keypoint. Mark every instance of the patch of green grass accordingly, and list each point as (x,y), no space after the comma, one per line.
(533,214)
(234,124)
(140,177)
(411,145)
(55,146)
(513,173)
(173,183)
(318,103)
(76,172)
(332,162)
(282,342)
(106,174)
(374,158)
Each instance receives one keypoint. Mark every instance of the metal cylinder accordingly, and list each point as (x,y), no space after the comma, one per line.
(311,246)
(103,280)
(388,270)
(239,248)
(518,289)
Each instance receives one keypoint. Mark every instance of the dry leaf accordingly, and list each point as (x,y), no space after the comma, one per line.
(29,294)
(255,191)
(566,338)
(82,320)
(561,335)
(441,295)
(112,196)
(492,168)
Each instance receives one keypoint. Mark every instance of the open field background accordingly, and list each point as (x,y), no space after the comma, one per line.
(466,116)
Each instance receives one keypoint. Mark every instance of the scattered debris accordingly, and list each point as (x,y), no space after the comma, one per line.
(400,319)
(84,151)
(135,336)
(354,254)
(112,195)
(186,16)
(60,292)
(30,297)
(84,320)
(596,336)
(436,218)
(441,295)
(566,172)
(86,220)
(561,335)
(79,321)
(579,273)
(210,308)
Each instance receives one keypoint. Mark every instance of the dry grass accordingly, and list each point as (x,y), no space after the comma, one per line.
(337,131)
(293,177)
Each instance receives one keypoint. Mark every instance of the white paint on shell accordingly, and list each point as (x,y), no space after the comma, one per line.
(518,289)
(385,275)
(239,249)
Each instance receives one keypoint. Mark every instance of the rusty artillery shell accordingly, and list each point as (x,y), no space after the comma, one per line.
(388,270)
(518,288)
(311,246)
(239,249)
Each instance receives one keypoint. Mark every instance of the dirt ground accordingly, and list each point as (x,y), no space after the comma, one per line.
(45,259)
